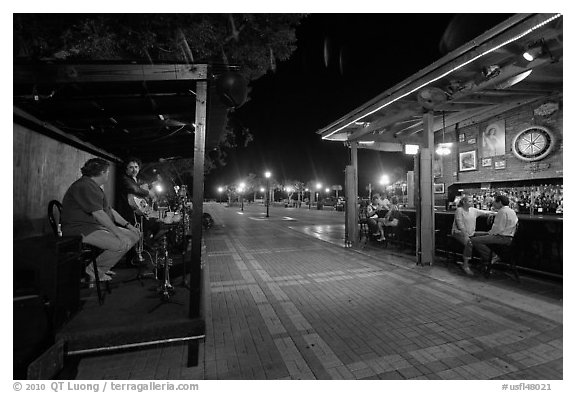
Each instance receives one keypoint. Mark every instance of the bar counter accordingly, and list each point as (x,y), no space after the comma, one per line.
(540,239)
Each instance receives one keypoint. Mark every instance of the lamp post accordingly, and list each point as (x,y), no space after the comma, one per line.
(289,191)
(267,175)
(317,193)
(220,189)
(309,197)
(241,191)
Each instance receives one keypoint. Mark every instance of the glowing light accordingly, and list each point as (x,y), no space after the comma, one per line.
(220,189)
(158,188)
(443,149)
(267,174)
(384,180)
(318,186)
(327,190)
(411,149)
(262,189)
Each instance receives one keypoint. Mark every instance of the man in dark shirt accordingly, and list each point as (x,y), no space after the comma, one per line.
(86,213)
(130,184)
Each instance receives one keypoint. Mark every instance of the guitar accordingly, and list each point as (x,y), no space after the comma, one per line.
(141,205)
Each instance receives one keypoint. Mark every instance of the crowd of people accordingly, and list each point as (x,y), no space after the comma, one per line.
(382,216)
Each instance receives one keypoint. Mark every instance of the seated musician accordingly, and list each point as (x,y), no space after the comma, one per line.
(86,213)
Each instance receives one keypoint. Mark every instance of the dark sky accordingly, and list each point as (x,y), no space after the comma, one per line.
(310,91)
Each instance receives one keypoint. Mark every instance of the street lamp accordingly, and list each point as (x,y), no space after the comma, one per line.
(309,197)
(220,189)
(267,175)
(317,193)
(384,180)
(289,191)
(241,191)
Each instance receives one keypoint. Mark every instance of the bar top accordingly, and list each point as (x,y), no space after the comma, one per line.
(521,216)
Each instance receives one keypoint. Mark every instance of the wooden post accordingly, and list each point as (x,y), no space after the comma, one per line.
(197,199)
(426,192)
(351,185)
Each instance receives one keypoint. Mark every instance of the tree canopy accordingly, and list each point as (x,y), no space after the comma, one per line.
(255,42)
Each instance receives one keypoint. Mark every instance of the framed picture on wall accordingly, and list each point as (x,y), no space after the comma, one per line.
(438,188)
(467,161)
(487,162)
(462,137)
(493,139)
(500,164)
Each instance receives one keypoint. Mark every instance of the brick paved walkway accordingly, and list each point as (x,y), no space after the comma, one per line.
(280,304)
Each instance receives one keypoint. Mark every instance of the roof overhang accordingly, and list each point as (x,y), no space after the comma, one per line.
(147,110)
(481,79)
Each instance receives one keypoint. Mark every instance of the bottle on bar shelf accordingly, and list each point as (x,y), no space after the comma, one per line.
(535,199)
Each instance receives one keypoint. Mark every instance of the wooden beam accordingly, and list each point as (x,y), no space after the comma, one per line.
(382,146)
(426,228)
(198,199)
(470,117)
(351,186)
(82,73)
(399,114)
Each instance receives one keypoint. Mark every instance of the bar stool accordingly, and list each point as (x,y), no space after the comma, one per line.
(89,252)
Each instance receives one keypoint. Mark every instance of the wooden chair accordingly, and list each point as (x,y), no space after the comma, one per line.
(89,252)
(363,221)
(507,256)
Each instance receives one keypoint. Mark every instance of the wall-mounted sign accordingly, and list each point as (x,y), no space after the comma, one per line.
(537,166)
(500,164)
(438,188)
(487,162)
(533,143)
(546,109)
(471,141)
(462,137)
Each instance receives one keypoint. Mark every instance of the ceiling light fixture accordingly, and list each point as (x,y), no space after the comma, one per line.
(443,148)
(534,50)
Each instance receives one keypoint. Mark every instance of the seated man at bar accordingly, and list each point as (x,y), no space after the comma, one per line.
(502,230)
(86,213)
(464,228)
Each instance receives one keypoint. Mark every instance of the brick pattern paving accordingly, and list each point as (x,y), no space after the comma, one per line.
(280,305)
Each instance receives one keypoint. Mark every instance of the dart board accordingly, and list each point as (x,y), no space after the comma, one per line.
(533,143)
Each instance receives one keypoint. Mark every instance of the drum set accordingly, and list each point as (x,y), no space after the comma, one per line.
(164,231)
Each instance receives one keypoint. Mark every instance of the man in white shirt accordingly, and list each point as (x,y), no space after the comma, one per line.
(384,202)
(502,230)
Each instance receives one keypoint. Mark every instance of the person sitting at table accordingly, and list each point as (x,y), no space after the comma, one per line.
(86,213)
(464,228)
(384,203)
(392,214)
(374,220)
(502,230)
